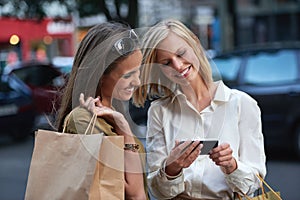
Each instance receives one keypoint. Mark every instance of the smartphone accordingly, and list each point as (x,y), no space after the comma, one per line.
(208,144)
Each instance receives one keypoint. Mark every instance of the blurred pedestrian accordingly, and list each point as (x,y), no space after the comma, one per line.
(41,55)
(12,62)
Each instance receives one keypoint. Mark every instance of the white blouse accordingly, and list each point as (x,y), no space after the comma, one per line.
(232,117)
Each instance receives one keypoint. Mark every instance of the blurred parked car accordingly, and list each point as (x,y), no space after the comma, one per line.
(271,75)
(44,80)
(17,112)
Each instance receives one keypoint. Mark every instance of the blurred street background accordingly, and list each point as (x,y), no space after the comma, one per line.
(253,45)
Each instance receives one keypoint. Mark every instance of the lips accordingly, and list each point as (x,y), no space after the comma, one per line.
(131,89)
(184,73)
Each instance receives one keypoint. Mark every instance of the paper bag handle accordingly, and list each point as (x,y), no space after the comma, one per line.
(92,122)
(262,188)
(93,119)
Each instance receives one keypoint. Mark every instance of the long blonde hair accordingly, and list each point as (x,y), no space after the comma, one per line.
(153,81)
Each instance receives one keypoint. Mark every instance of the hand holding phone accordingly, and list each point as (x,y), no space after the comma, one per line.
(208,144)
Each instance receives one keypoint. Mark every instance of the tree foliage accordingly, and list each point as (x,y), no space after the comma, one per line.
(37,9)
(31,9)
(112,9)
(132,11)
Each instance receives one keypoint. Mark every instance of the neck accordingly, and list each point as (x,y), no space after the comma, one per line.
(198,94)
(106,101)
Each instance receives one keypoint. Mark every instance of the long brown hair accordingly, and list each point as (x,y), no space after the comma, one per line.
(92,59)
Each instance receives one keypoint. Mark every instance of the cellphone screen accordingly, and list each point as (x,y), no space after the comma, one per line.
(208,145)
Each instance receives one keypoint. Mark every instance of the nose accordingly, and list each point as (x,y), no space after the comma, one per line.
(177,63)
(136,81)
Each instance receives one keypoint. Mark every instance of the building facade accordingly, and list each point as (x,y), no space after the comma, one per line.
(32,39)
(224,25)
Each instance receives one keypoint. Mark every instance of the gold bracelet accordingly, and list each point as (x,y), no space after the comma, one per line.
(132,147)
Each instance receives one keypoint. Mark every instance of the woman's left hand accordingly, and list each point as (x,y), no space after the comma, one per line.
(222,156)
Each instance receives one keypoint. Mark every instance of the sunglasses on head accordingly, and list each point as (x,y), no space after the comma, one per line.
(126,45)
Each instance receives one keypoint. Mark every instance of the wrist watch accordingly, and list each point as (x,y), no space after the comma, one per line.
(132,147)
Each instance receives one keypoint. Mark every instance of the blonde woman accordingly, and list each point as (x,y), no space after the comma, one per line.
(191,108)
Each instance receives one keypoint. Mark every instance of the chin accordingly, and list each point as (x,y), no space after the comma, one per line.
(182,82)
(124,98)
(127,99)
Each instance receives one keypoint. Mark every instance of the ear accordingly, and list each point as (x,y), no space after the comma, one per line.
(99,86)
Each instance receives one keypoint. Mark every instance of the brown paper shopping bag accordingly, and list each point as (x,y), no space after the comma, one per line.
(109,178)
(76,166)
(269,195)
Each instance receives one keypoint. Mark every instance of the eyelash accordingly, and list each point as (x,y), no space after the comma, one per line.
(166,64)
(180,54)
(127,76)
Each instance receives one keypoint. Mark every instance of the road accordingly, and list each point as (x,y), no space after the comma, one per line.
(283,171)
(15,160)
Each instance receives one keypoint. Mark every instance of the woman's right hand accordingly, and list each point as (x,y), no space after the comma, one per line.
(114,118)
(182,156)
(90,103)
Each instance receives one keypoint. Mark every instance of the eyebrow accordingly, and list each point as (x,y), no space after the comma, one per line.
(179,50)
(132,72)
(161,60)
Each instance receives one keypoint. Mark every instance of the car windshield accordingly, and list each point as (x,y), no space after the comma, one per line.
(280,67)
(11,87)
(226,68)
(37,75)
(4,86)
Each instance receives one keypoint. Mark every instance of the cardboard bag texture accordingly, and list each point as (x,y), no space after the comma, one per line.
(71,166)
(109,177)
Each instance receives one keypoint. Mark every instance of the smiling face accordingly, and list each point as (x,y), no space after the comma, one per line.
(121,81)
(178,60)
